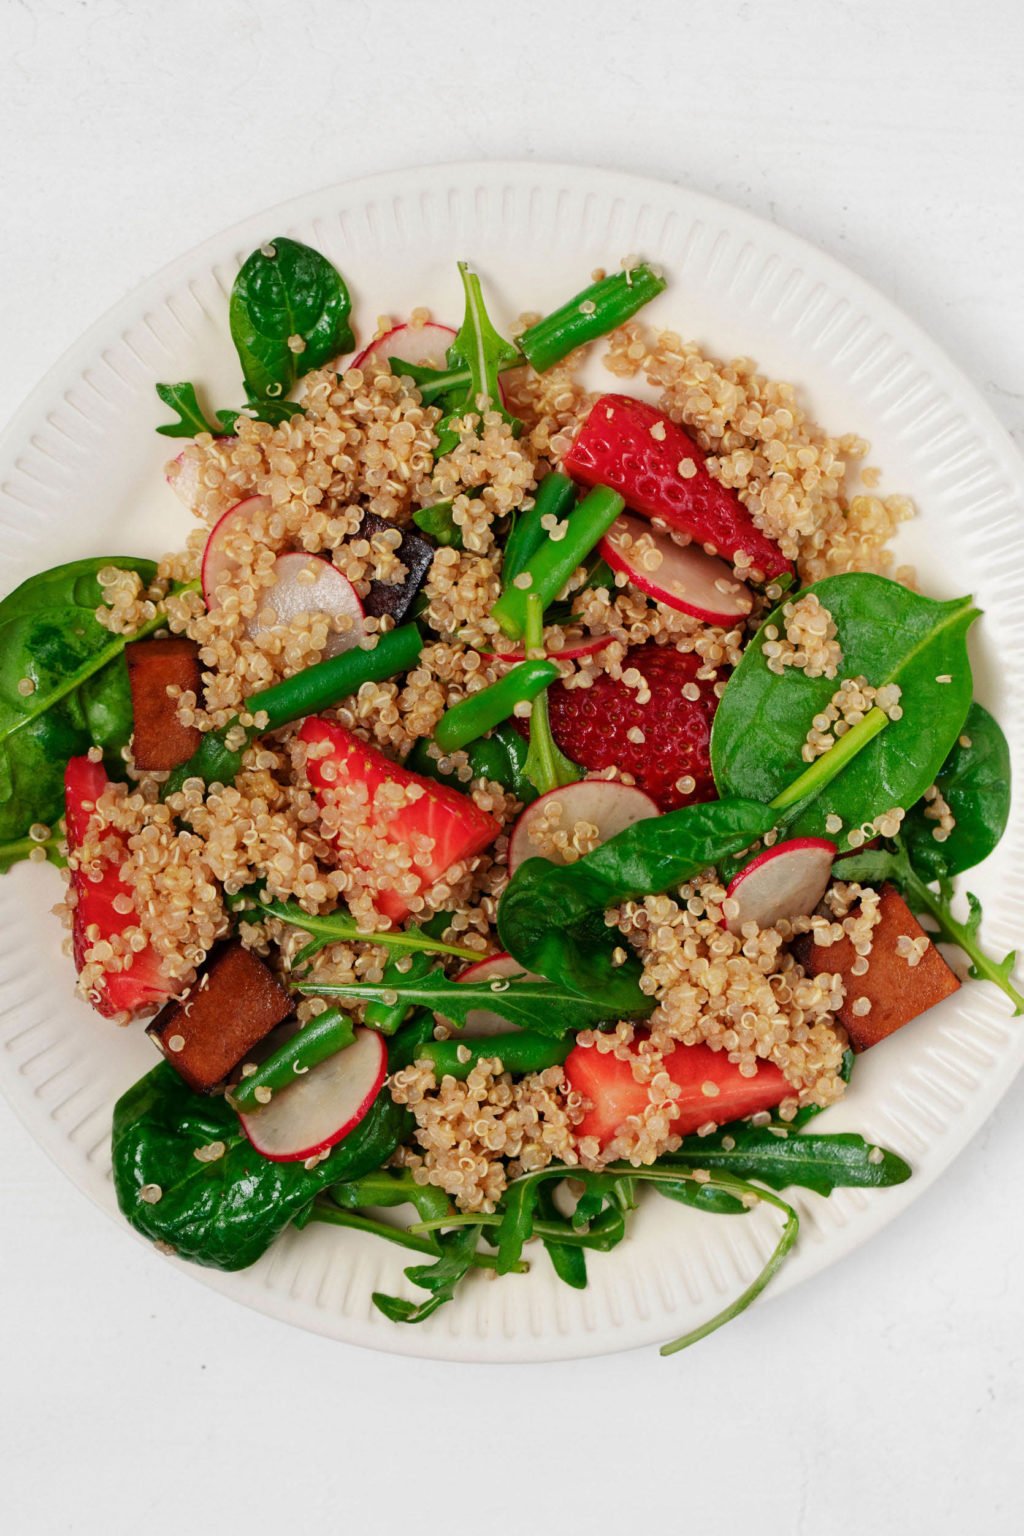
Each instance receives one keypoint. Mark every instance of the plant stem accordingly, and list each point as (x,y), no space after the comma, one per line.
(405,1237)
(821,772)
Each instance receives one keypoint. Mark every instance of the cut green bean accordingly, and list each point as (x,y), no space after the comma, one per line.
(480,712)
(555,497)
(330,1032)
(519,1051)
(550,567)
(306,693)
(591,314)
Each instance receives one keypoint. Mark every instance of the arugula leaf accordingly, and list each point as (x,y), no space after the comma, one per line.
(49,634)
(286,290)
(551,918)
(224,1213)
(975,783)
(546,1007)
(888,635)
(894,863)
(440,1279)
(191,420)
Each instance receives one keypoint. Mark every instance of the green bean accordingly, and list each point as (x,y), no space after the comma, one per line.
(591,314)
(519,1051)
(306,693)
(324,1036)
(480,712)
(550,567)
(555,495)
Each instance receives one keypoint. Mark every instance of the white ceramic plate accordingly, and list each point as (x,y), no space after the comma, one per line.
(80,474)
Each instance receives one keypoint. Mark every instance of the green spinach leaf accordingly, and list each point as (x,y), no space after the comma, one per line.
(224,1213)
(888,635)
(975,783)
(551,918)
(289,313)
(80,697)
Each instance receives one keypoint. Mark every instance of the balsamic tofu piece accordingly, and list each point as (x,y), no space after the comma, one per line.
(895,990)
(416,554)
(160,740)
(235,1001)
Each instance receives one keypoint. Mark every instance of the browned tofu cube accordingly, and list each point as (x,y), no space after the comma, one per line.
(235,1001)
(160,740)
(895,990)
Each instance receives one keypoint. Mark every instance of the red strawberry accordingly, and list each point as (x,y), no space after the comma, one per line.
(95,917)
(615,447)
(592,725)
(614,1093)
(457,828)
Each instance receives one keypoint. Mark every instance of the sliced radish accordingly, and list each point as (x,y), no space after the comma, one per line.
(481,1022)
(604,803)
(786,881)
(292,592)
(425,345)
(588,646)
(219,557)
(321,1107)
(683,577)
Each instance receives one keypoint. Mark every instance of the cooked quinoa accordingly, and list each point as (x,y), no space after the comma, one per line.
(365,443)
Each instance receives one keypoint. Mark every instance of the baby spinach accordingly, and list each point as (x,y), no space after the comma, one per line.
(888,634)
(49,634)
(289,313)
(894,863)
(546,1007)
(975,783)
(224,1213)
(551,918)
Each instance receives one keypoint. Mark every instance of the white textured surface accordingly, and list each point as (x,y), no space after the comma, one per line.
(934,1289)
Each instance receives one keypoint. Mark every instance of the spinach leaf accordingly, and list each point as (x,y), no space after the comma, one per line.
(224,1213)
(440,1279)
(975,783)
(894,863)
(50,635)
(286,290)
(546,1007)
(551,918)
(808,1160)
(888,635)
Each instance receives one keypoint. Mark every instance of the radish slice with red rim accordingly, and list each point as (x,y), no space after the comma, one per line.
(603,803)
(681,576)
(321,1107)
(784,882)
(309,584)
(481,1022)
(425,345)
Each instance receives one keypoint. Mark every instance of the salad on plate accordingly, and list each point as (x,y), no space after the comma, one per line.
(513,801)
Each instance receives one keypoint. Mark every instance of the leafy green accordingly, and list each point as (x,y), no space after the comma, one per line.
(49,634)
(224,1213)
(781,1159)
(551,918)
(894,863)
(191,421)
(888,635)
(286,290)
(438,524)
(975,783)
(440,1279)
(546,1007)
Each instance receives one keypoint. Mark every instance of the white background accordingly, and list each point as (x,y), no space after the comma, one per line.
(884,1396)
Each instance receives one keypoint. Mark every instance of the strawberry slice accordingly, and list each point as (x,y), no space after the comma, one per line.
(457,829)
(660,472)
(614,1093)
(592,725)
(143,987)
